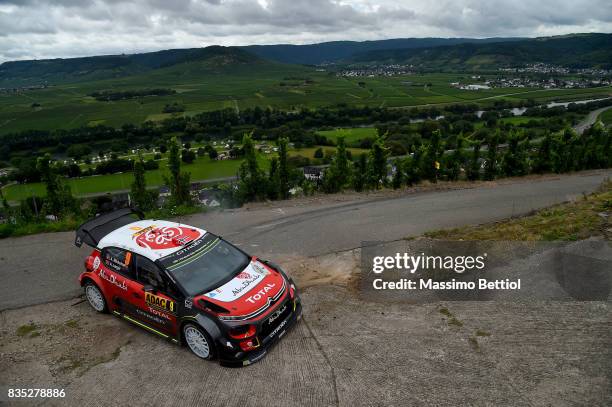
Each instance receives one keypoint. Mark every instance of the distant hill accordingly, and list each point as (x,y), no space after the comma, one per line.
(581,50)
(325,52)
(57,71)
(574,51)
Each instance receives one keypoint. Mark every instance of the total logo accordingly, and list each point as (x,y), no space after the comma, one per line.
(261,293)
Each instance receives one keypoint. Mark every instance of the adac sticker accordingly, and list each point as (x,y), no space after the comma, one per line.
(162,303)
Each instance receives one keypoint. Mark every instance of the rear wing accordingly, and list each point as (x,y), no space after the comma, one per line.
(92,231)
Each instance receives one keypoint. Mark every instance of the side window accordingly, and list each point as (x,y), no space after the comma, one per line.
(118,260)
(147,272)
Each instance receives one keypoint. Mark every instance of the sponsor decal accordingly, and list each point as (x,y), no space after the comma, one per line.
(278,328)
(165,237)
(112,279)
(260,269)
(96,263)
(159,313)
(151,317)
(244,281)
(188,302)
(261,293)
(162,303)
(276,314)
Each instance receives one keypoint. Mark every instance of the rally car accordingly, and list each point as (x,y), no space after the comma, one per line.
(187,285)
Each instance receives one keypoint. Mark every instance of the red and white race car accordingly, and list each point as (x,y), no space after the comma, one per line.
(187,285)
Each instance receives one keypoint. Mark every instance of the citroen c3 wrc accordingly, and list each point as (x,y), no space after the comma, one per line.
(187,285)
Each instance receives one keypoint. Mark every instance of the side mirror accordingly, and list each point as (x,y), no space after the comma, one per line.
(148,288)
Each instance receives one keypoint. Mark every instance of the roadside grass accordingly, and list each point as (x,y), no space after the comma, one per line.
(24,330)
(581,219)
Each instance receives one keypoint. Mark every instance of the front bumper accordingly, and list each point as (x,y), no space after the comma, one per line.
(240,359)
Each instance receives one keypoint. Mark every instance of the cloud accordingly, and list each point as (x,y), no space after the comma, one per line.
(66,28)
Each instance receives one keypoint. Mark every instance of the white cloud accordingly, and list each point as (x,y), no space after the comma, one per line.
(65,28)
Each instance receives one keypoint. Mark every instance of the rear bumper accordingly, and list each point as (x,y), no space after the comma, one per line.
(247,358)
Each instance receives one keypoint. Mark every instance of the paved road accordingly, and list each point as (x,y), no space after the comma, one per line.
(43,268)
(590,119)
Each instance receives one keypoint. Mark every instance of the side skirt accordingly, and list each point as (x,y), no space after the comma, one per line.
(147,327)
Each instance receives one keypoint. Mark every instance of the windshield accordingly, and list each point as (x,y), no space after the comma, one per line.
(205,264)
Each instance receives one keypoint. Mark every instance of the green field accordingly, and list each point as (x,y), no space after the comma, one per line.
(310,151)
(201,169)
(267,85)
(606,117)
(351,134)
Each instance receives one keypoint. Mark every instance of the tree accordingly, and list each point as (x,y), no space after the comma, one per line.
(188,156)
(490,170)
(59,200)
(360,173)
(140,196)
(473,171)
(178,181)
(273,180)
(251,181)
(212,152)
(456,160)
(283,169)
(398,175)
(431,160)
(412,168)
(514,162)
(377,172)
(543,159)
(318,153)
(337,175)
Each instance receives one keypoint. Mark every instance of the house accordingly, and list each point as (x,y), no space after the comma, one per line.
(313,173)
(164,191)
(208,197)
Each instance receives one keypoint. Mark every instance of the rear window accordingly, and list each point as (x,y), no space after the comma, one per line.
(205,264)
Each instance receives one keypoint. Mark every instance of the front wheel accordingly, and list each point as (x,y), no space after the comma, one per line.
(95,297)
(198,341)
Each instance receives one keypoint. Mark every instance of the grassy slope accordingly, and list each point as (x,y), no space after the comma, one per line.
(569,221)
(606,117)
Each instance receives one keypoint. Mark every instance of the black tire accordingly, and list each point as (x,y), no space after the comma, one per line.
(94,295)
(190,337)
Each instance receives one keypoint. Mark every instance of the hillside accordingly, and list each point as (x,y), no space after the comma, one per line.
(326,52)
(68,70)
(574,51)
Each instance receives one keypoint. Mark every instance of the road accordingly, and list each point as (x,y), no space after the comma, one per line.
(590,119)
(43,268)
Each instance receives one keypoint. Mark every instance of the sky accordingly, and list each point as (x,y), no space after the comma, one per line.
(37,29)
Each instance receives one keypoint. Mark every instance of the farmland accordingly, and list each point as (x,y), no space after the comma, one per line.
(273,85)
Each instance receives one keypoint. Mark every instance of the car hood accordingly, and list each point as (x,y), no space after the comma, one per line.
(250,292)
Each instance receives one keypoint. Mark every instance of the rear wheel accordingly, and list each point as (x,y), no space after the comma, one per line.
(198,341)
(95,297)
